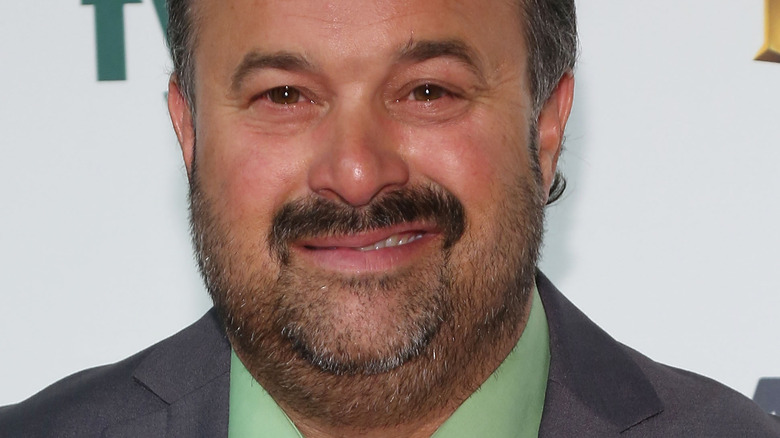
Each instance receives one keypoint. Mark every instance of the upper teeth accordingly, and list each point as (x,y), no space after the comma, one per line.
(394,240)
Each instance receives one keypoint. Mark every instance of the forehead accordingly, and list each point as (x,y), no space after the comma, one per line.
(352,32)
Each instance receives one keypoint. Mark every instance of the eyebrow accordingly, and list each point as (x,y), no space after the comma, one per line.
(413,51)
(254,61)
(423,50)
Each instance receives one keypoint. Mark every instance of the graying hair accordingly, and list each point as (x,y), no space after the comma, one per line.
(181,38)
(551,37)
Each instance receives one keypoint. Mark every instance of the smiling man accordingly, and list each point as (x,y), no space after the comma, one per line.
(368,181)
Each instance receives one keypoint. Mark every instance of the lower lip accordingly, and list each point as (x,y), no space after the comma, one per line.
(354,261)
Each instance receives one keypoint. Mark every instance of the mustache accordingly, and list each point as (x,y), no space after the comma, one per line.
(315,216)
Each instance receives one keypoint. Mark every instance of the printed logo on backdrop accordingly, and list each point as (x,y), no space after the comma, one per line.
(771,49)
(110,35)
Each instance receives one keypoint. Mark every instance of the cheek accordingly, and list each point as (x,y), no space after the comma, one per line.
(250,175)
(476,159)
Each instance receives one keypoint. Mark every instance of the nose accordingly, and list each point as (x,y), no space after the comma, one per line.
(360,158)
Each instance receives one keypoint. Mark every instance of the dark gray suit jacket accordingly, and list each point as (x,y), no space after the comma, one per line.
(597,388)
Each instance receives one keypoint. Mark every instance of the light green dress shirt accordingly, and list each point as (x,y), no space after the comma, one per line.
(508,404)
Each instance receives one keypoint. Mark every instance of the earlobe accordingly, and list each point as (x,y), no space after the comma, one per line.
(551,125)
(181,117)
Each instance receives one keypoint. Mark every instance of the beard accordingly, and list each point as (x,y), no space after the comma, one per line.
(378,349)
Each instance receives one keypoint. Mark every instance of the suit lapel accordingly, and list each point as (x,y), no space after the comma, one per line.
(190,372)
(594,387)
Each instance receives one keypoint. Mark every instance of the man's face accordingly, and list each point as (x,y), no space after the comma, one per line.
(365,195)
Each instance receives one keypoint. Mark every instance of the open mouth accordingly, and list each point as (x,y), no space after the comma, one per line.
(394,240)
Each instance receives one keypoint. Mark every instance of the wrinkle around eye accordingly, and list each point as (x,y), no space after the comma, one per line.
(429,112)
(429,102)
(281,106)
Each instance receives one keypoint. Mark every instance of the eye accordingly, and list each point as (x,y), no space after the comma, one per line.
(285,95)
(427,93)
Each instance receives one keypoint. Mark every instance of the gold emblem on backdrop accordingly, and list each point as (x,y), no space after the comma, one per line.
(771,50)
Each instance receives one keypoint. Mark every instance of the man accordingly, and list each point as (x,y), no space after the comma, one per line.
(368,180)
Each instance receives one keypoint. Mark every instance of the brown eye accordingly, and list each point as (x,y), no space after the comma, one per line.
(428,92)
(286,95)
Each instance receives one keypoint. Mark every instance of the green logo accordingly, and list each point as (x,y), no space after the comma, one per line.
(110,35)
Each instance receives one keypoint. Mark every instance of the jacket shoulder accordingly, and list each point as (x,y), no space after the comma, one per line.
(695,405)
(82,404)
(87,403)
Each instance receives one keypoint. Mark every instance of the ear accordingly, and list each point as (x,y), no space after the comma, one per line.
(181,117)
(550,125)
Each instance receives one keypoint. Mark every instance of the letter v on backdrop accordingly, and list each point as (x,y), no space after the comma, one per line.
(110,35)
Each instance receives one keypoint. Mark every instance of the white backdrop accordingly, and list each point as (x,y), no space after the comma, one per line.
(666,237)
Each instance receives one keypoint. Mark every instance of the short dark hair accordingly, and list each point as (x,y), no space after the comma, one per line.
(551,37)
(181,43)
